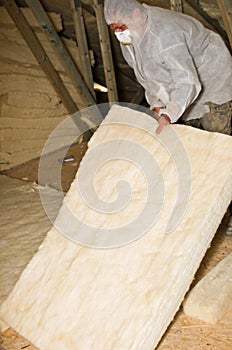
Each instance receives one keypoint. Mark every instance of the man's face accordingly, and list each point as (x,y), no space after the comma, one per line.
(118,27)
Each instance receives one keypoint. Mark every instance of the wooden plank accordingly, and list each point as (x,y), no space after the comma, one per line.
(61,51)
(77,297)
(39,53)
(225,7)
(104,37)
(211,298)
(82,44)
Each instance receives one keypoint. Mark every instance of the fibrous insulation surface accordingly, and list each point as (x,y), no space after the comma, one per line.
(75,297)
(211,298)
(24,225)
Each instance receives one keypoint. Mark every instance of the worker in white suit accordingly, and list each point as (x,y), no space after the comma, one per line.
(185,69)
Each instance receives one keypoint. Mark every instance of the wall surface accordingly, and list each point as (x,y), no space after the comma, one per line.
(29,106)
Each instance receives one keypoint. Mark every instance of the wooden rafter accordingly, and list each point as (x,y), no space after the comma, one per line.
(82,44)
(61,52)
(106,51)
(40,54)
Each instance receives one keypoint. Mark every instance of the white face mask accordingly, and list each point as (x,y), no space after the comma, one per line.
(124,37)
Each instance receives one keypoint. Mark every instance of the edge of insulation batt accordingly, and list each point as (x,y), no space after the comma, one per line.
(211,298)
(150,331)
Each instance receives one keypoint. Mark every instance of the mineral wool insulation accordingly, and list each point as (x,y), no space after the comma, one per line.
(72,296)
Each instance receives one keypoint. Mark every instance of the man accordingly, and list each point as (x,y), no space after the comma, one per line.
(185,69)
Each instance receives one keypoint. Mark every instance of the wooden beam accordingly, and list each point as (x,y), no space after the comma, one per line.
(106,51)
(211,21)
(40,54)
(225,6)
(82,44)
(61,52)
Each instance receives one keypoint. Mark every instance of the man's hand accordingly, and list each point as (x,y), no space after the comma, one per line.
(163,120)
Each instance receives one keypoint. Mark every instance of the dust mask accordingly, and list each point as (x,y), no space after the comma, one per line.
(124,37)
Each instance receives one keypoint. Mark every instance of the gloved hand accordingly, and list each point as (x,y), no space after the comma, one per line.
(162,119)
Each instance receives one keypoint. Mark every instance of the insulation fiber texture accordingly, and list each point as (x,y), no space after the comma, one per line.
(122,292)
(211,298)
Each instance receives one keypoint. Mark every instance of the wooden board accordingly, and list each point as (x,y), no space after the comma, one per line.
(79,297)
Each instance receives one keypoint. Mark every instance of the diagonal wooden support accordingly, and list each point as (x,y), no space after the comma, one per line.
(82,44)
(106,51)
(40,54)
(225,6)
(61,51)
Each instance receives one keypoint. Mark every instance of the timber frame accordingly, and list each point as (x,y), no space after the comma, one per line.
(82,77)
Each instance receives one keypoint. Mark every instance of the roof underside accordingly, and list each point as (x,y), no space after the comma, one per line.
(127,86)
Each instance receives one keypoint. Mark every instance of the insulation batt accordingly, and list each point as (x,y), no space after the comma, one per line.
(211,298)
(80,298)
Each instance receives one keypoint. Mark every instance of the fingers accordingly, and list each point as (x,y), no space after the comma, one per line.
(163,121)
(159,129)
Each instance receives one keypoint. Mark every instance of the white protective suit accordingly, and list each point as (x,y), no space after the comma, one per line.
(175,58)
